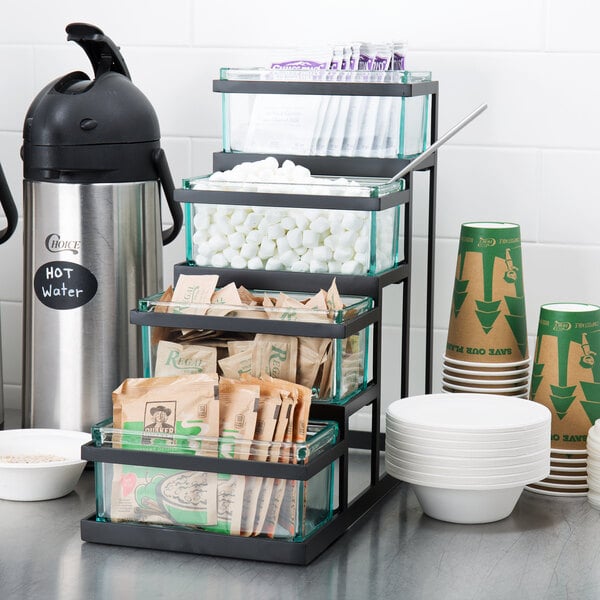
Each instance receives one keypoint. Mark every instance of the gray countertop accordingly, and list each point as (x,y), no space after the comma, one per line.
(549,548)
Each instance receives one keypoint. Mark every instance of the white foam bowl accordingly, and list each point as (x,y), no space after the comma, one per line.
(473,452)
(469,413)
(30,481)
(459,472)
(467,506)
(399,428)
(476,461)
(535,475)
(467,441)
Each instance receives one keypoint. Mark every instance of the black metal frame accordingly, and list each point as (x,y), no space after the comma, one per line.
(200,542)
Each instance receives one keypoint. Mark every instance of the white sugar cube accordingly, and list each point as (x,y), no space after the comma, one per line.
(288,223)
(275,231)
(310,238)
(323,253)
(236,240)
(353,221)
(320,225)
(255,263)
(266,249)
(253,219)
(255,236)
(288,258)
(249,250)
(362,244)
(300,266)
(217,242)
(301,221)
(238,262)
(219,261)
(282,245)
(343,254)
(331,241)
(352,267)
(318,266)
(294,237)
(229,253)
(238,216)
(273,264)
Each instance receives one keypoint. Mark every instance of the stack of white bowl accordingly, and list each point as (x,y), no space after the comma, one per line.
(593,464)
(467,456)
(507,378)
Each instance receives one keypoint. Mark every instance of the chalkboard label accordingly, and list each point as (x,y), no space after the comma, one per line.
(64,285)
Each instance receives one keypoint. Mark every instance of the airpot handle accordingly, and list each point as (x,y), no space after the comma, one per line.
(101,50)
(166,179)
(8,204)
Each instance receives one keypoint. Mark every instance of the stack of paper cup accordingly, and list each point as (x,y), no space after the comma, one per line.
(593,465)
(486,350)
(566,379)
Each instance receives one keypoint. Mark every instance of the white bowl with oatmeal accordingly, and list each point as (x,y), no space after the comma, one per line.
(40,464)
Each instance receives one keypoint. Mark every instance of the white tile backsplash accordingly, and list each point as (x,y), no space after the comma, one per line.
(572,26)
(530,158)
(570,210)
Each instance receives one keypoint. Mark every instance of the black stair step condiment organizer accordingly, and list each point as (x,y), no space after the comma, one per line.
(349,510)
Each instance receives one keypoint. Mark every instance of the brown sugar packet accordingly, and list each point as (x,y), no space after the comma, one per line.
(181,359)
(248,297)
(301,413)
(160,333)
(310,350)
(227,296)
(334,301)
(287,512)
(238,364)
(279,485)
(268,414)
(266,491)
(275,355)
(236,346)
(238,414)
(193,293)
(238,407)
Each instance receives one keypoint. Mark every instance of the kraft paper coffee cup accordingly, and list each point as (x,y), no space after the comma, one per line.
(566,371)
(487,317)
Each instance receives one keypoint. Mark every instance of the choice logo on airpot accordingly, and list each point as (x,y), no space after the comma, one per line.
(54,243)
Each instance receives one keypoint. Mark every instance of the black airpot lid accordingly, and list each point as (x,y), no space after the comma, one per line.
(74,110)
(82,130)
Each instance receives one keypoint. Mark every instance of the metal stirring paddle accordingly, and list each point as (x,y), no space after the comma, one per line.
(440,141)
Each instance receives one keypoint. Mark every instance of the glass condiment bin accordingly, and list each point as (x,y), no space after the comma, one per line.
(310,227)
(194,481)
(325,350)
(346,113)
